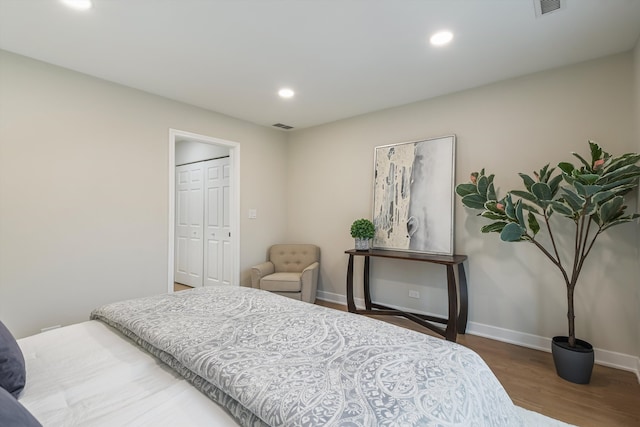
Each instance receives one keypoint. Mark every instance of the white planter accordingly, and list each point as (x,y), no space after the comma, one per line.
(362,244)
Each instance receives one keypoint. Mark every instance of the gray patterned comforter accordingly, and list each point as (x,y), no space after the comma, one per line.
(274,361)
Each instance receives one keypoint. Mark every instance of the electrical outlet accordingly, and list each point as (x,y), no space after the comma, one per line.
(414,294)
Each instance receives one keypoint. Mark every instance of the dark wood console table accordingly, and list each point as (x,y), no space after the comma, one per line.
(457,319)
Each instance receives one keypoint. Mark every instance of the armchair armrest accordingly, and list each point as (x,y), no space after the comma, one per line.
(309,281)
(259,271)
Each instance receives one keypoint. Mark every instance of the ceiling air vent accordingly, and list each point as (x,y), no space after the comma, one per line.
(544,7)
(281,126)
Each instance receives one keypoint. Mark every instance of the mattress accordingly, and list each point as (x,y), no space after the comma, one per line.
(89,375)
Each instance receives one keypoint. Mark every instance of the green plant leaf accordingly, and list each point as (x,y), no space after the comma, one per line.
(533,223)
(611,210)
(624,189)
(512,232)
(620,183)
(620,162)
(587,178)
(466,189)
(628,171)
(491,192)
(542,173)
(602,197)
(587,190)
(525,195)
(493,215)
(492,206)
(554,184)
(495,227)
(596,151)
(574,200)
(542,191)
(528,181)
(566,167)
(474,201)
(483,184)
(509,209)
(530,208)
(589,209)
(584,162)
(622,220)
(563,209)
(519,214)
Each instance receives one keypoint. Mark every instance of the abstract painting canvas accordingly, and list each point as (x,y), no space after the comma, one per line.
(413,196)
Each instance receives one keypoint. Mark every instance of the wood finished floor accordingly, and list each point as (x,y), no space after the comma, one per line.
(612,399)
(180,287)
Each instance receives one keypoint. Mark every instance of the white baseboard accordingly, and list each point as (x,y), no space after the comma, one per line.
(331,297)
(608,358)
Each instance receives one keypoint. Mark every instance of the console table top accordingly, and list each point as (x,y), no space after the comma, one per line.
(408,255)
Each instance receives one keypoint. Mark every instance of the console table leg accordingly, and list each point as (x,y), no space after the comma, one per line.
(367,292)
(464,300)
(452,322)
(350,304)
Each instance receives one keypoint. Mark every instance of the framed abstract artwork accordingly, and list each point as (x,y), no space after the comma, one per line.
(413,196)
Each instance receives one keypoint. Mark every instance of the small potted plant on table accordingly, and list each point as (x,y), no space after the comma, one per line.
(362,230)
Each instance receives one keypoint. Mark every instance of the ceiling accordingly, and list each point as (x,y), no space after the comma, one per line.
(342,57)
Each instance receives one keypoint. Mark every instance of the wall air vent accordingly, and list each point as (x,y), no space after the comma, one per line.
(281,126)
(544,7)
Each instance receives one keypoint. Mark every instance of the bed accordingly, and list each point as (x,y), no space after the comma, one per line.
(229,356)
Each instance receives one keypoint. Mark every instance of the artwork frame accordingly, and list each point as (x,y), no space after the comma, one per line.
(413,196)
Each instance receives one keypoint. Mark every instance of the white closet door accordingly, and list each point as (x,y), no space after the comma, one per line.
(189,224)
(217,254)
(226,261)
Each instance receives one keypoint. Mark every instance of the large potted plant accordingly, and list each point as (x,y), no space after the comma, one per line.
(362,230)
(590,196)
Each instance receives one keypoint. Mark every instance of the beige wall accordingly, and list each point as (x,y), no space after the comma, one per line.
(509,127)
(83,194)
(84,191)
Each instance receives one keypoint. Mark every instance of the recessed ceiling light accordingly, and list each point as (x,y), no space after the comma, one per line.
(286,93)
(78,4)
(441,38)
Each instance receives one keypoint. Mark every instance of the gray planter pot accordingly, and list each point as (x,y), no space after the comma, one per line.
(573,364)
(362,244)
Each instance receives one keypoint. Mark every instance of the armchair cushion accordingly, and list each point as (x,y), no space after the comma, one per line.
(281,282)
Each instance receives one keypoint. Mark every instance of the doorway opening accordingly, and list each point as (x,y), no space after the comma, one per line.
(175,137)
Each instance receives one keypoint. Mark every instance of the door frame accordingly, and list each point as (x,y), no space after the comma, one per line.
(234,196)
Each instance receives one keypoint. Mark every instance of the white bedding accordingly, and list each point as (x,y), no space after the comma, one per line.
(88,374)
(102,379)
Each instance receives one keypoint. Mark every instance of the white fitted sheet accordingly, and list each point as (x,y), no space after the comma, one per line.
(88,374)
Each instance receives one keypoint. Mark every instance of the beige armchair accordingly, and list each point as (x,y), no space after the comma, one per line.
(292,271)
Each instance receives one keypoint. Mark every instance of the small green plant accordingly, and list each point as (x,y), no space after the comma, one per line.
(362,229)
(591,198)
